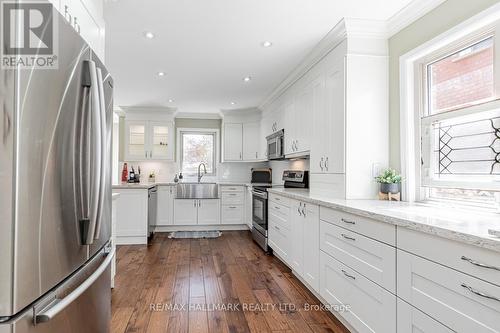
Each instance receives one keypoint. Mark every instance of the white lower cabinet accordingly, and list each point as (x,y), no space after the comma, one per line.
(232,214)
(132,216)
(208,211)
(165,209)
(370,308)
(196,211)
(412,320)
(459,301)
(373,259)
(185,212)
(296,239)
(311,245)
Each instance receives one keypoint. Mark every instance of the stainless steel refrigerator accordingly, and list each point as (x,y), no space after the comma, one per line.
(55,199)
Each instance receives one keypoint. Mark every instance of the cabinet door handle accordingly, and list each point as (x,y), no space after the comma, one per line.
(76,26)
(348,237)
(304,210)
(276,207)
(67,15)
(347,221)
(194,203)
(151,154)
(276,227)
(326,164)
(349,275)
(479,264)
(321,164)
(256,155)
(146,154)
(478,293)
(199,203)
(232,207)
(298,209)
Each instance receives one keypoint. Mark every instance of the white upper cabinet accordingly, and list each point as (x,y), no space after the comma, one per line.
(149,135)
(328,119)
(233,142)
(149,140)
(86,17)
(243,135)
(251,143)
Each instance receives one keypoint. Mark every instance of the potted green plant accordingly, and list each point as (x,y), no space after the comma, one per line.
(390,181)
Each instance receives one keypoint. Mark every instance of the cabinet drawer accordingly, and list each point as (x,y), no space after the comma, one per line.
(279,210)
(279,240)
(380,231)
(279,199)
(232,214)
(279,219)
(449,296)
(233,198)
(481,263)
(232,188)
(412,320)
(371,307)
(373,259)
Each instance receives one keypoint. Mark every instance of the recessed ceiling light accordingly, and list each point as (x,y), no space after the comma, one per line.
(267,44)
(149,35)
(161,73)
(170,100)
(247,78)
(233,103)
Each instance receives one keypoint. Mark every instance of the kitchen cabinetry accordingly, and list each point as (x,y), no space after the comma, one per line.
(166,196)
(251,133)
(233,142)
(196,211)
(279,236)
(208,211)
(370,307)
(149,140)
(411,320)
(86,17)
(233,204)
(241,142)
(336,111)
(132,216)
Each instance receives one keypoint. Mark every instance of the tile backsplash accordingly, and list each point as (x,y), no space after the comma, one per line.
(237,172)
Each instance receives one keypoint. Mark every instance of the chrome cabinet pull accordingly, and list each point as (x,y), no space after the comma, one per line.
(232,207)
(347,221)
(326,164)
(67,15)
(304,210)
(256,155)
(348,237)
(478,293)
(276,227)
(276,207)
(298,209)
(477,263)
(349,275)
(321,164)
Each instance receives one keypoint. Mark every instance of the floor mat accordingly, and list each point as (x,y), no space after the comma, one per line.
(195,234)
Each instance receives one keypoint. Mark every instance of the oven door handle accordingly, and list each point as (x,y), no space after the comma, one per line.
(260,195)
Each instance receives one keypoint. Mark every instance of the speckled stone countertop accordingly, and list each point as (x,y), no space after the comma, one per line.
(462,226)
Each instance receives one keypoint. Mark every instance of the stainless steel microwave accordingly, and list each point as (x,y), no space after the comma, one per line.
(275,142)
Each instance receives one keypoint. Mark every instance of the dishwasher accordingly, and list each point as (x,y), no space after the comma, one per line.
(152,210)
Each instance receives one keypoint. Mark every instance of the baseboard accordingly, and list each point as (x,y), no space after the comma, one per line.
(131,240)
(171,228)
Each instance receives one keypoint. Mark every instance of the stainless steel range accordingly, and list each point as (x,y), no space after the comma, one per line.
(293,179)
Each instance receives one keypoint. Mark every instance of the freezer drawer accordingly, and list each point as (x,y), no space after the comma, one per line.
(81,304)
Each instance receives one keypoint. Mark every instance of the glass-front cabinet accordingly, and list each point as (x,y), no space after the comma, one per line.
(149,140)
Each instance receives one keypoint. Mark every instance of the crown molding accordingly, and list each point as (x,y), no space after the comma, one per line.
(346,28)
(195,115)
(409,14)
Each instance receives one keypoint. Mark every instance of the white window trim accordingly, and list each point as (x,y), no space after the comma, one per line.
(409,104)
(216,131)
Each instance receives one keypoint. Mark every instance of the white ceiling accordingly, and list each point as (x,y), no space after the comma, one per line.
(206,47)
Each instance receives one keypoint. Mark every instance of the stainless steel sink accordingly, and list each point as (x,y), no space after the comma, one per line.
(197,191)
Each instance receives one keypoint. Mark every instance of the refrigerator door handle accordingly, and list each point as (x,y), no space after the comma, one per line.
(59,305)
(103,145)
(95,126)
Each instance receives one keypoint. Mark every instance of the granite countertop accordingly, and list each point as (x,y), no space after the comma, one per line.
(463,226)
(133,186)
(115,196)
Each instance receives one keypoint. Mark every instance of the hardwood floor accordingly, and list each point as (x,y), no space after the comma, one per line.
(226,284)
